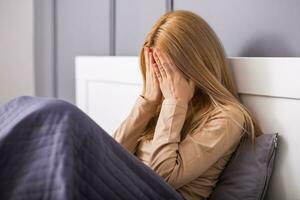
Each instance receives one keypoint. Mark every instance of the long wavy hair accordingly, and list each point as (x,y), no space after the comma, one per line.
(189,41)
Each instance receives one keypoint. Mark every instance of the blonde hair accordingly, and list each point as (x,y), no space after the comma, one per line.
(193,46)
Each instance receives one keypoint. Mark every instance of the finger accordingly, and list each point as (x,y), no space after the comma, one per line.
(163,57)
(167,69)
(153,74)
(156,59)
(171,64)
(152,61)
(160,67)
(163,64)
(151,65)
(157,73)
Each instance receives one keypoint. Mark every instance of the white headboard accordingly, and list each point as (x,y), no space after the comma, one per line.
(106,88)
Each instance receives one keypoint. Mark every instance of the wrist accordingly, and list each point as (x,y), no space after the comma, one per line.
(149,100)
(176,100)
(173,101)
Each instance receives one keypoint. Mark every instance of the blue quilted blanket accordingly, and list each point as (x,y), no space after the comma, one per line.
(50,149)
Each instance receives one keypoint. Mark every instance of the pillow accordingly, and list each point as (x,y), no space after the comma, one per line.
(247,173)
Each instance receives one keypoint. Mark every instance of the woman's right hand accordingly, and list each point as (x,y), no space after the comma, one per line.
(152,90)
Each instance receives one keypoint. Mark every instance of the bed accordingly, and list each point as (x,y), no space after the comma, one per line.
(270,87)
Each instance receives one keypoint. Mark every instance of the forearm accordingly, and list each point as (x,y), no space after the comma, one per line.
(135,123)
(166,139)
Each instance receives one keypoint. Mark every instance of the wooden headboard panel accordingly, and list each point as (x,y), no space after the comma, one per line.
(106,88)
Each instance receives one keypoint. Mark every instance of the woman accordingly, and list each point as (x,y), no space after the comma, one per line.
(188,136)
(174,143)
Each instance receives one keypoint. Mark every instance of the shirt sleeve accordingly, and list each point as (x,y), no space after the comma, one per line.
(135,123)
(181,162)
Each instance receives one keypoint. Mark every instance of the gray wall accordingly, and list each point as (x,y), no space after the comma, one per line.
(44,48)
(256,28)
(133,22)
(16,49)
(82,28)
(67,28)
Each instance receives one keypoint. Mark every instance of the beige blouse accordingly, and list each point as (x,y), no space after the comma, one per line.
(191,166)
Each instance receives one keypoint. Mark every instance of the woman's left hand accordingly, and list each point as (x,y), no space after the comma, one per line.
(173,83)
